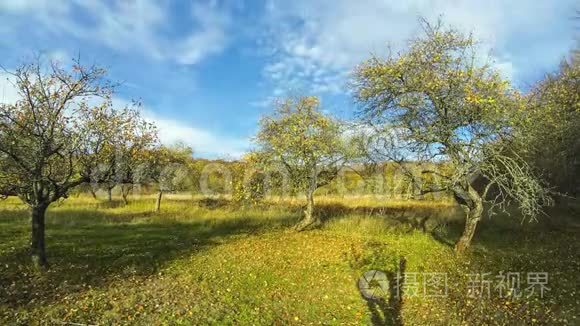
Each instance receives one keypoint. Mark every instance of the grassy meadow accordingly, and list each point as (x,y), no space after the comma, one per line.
(208,261)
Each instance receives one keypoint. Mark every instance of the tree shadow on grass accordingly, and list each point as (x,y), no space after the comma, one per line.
(106,248)
(387,311)
(505,231)
(442,223)
(503,245)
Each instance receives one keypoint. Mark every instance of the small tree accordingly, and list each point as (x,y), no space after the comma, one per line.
(132,152)
(52,139)
(307,143)
(435,103)
(248,183)
(168,168)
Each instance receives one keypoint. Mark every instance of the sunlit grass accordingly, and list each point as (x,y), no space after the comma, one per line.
(210,261)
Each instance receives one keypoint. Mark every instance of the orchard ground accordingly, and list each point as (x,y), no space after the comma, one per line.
(209,261)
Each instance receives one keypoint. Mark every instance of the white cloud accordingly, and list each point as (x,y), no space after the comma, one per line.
(18,6)
(211,37)
(506,69)
(130,26)
(204,142)
(126,25)
(60,56)
(315,44)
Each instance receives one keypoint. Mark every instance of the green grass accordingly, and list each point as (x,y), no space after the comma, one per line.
(205,261)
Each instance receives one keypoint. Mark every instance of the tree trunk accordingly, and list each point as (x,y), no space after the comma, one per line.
(310,220)
(474,210)
(37,247)
(110,193)
(93,193)
(158,203)
(125,193)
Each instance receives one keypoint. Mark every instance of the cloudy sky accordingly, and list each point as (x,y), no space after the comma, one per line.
(207,70)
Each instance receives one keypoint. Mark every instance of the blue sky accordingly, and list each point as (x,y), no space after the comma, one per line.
(207,70)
